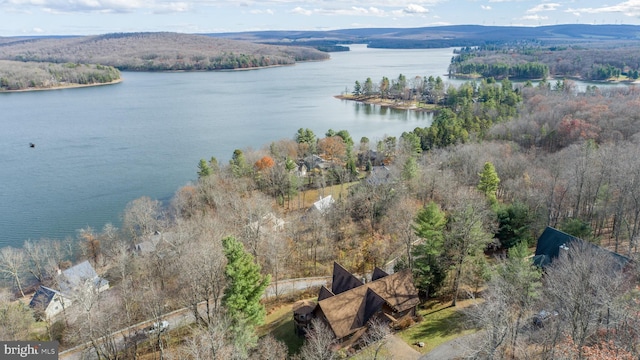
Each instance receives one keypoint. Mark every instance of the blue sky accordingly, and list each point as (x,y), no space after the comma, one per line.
(89,17)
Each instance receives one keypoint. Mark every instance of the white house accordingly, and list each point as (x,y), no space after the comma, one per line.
(48,302)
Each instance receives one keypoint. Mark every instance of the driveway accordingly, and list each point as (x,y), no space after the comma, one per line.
(457,348)
(400,350)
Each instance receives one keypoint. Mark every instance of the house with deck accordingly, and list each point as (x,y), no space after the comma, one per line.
(351,303)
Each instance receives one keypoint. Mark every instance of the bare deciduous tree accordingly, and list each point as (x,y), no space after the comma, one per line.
(269,348)
(12,265)
(319,342)
(582,285)
(142,217)
(375,339)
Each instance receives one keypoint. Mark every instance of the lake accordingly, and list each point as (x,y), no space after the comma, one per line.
(98,148)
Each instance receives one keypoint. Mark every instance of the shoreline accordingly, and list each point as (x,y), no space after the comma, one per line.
(61,87)
(410,105)
(73,86)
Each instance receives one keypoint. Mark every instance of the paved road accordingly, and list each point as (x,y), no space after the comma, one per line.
(292,285)
(85,351)
(185,316)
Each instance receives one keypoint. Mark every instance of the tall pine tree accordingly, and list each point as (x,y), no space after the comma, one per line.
(489,182)
(245,284)
(428,271)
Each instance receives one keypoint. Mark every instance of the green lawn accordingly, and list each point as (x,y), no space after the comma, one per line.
(440,324)
(279,323)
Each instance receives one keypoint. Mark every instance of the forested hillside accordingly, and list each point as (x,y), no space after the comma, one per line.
(605,61)
(155,52)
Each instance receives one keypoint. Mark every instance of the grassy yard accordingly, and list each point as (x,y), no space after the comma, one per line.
(279,323)
(440,324)
(305,199)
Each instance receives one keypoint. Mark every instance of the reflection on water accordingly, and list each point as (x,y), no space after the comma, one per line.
(389,113)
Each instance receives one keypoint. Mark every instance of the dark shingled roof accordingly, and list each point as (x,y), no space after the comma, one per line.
(42,297)
(350,310)
(343,280)
(324,293)
(548,247)
(550,241)
(378,274)
(371,304)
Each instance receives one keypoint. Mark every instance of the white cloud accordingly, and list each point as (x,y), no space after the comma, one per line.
(301,11)
(543,7)
(376,11)
(535,17)
(628,8)
(415,9)
(352,11)
(174,7)
(37,30)
(102,6)
(485,7)
(259,11)
(124,6)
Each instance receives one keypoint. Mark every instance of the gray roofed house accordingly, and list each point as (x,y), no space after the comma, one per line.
(380,175)
(71,282)
(268,222)
(81,276)
(149,245)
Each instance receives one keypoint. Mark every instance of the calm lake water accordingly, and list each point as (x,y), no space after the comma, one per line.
(99,148)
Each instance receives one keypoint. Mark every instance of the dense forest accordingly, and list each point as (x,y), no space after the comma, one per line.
(460,202)
(605,61)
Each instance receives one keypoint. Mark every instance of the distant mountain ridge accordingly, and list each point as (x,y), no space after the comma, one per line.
(443,36)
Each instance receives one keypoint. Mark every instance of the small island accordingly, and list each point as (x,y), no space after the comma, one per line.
(417,94)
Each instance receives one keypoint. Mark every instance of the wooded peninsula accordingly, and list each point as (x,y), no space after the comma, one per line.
(41,63)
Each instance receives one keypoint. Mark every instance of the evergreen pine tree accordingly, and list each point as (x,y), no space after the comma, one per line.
(245,284)
(489,182)
(203,169)
(428,271)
